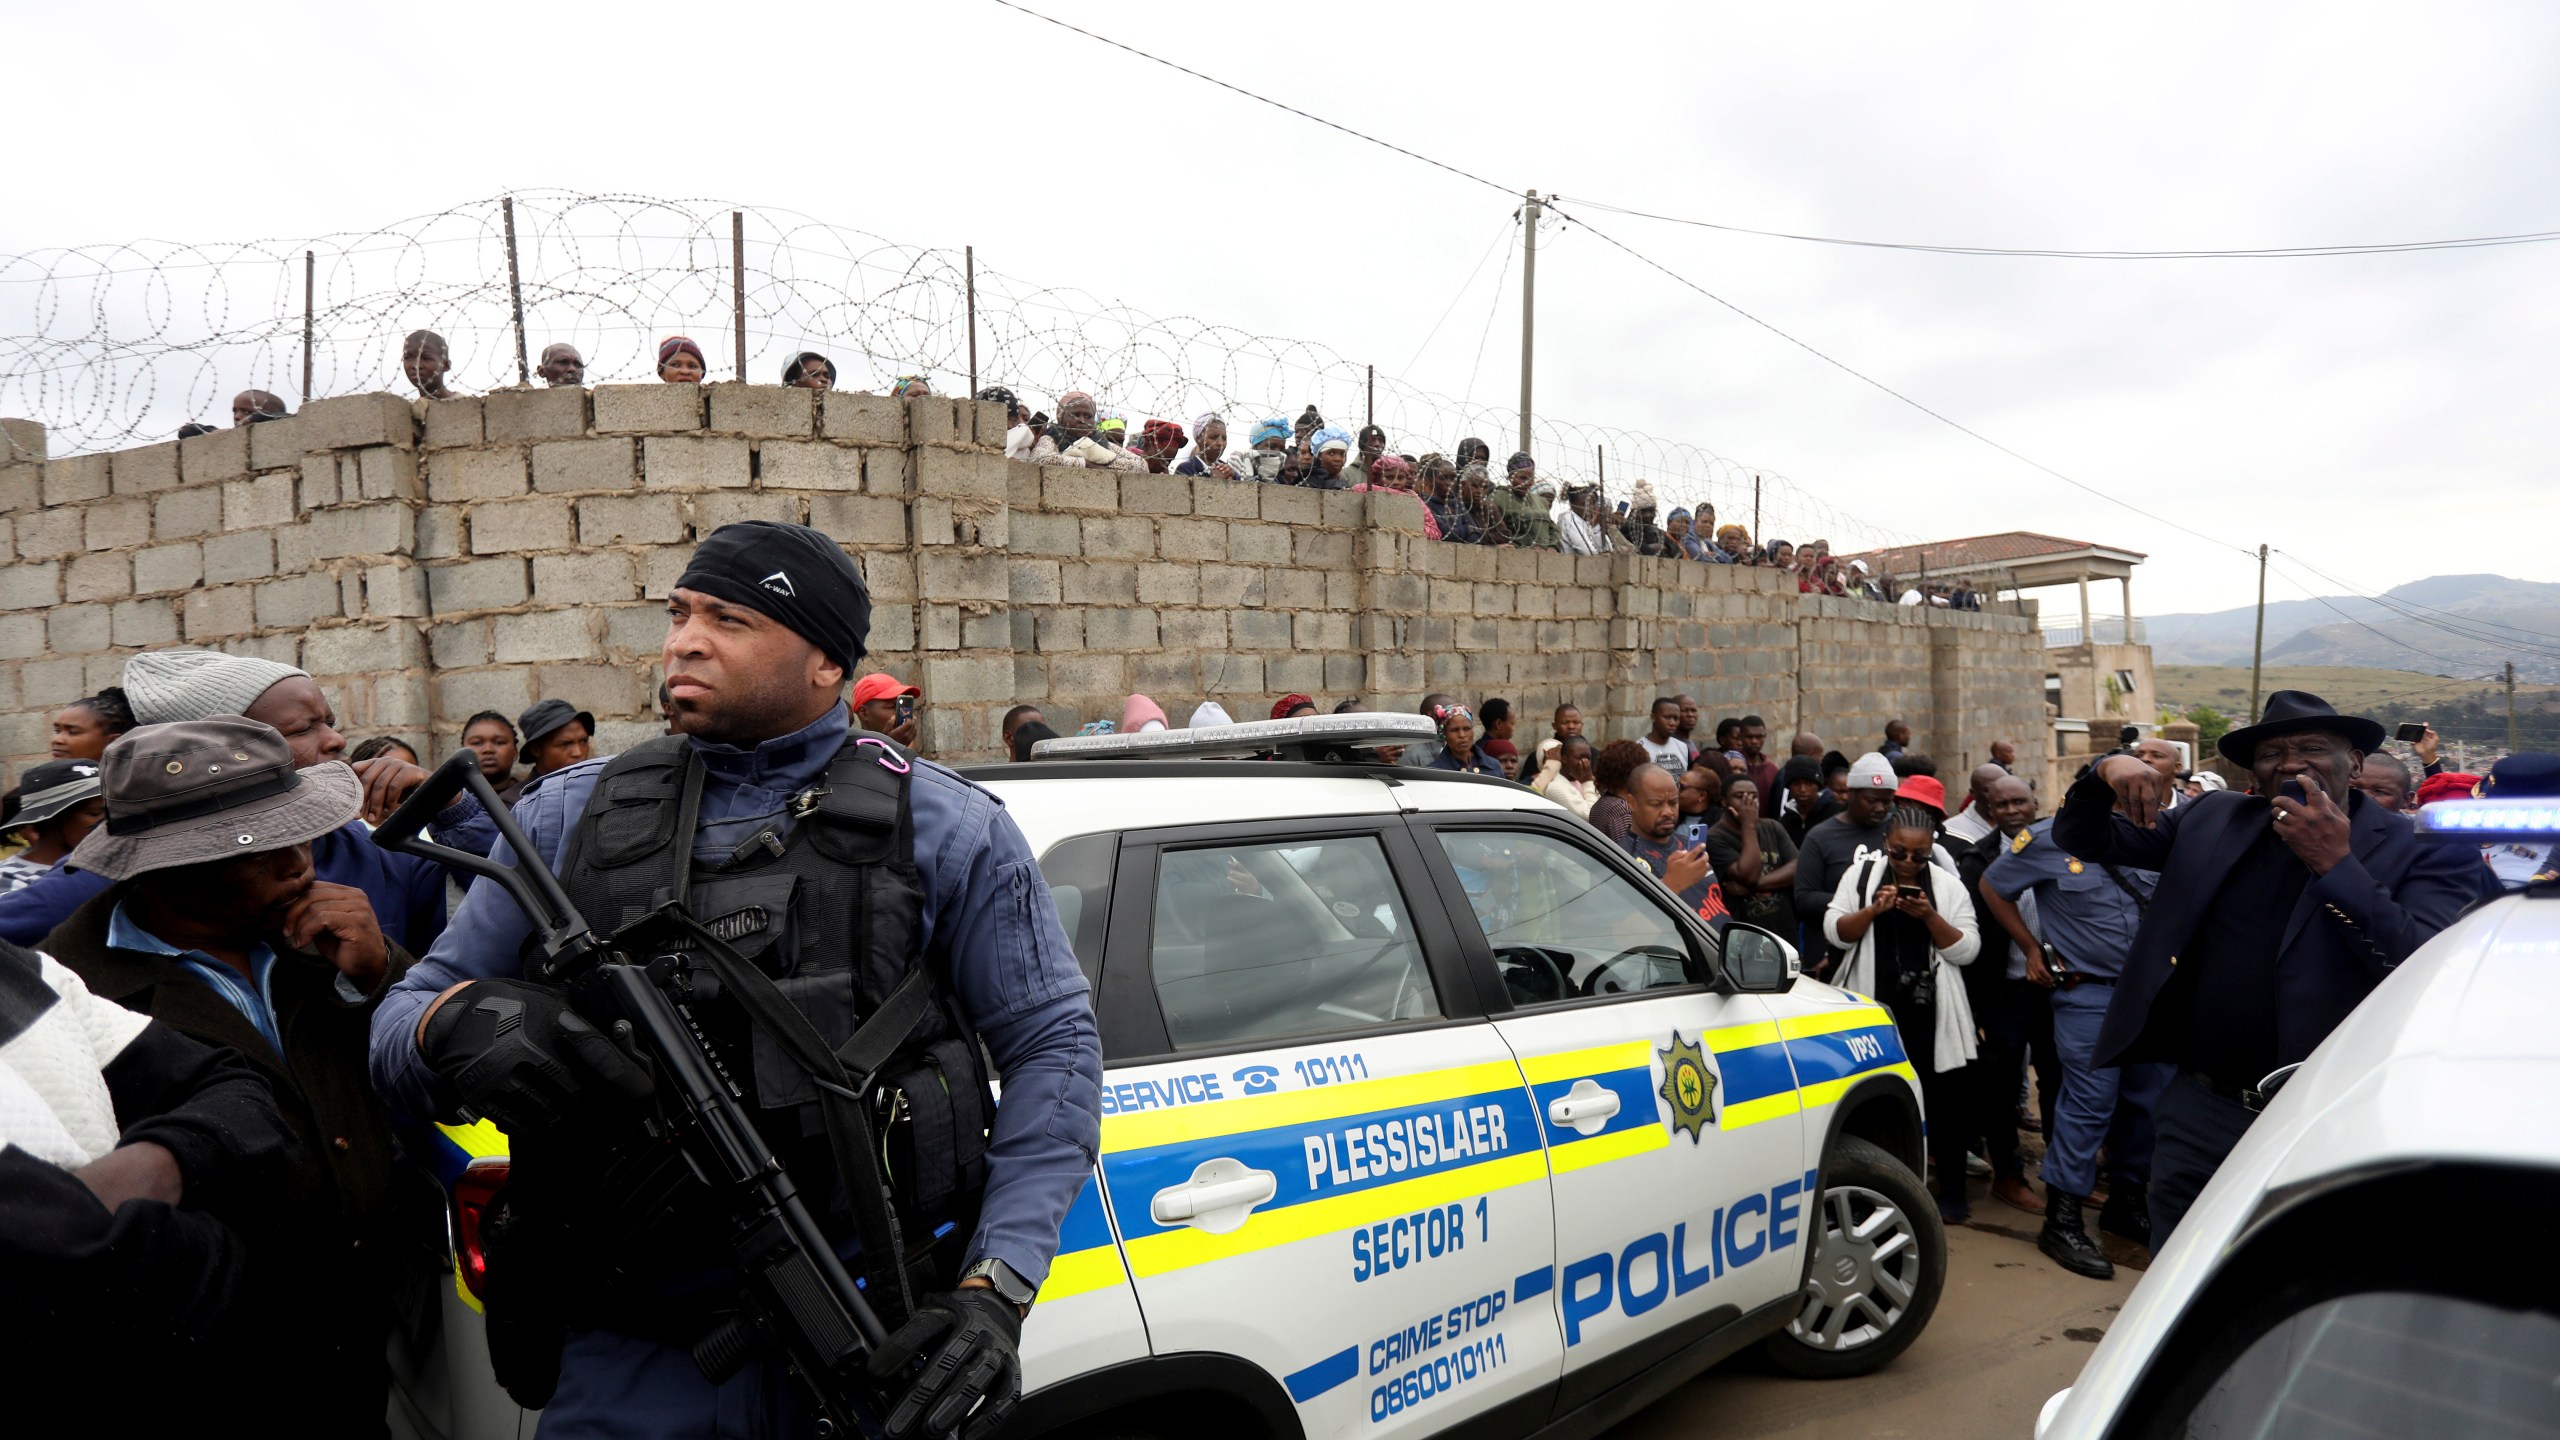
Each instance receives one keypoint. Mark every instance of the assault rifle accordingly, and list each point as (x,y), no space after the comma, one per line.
(639,986)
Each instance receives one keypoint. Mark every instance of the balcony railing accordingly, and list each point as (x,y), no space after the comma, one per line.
(2107,630)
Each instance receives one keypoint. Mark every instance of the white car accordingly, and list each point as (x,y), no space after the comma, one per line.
(1424,1108)
(2368,1262)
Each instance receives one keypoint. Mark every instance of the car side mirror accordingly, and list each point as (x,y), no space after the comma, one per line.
(1758,962)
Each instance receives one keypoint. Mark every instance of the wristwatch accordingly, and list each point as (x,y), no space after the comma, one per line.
(1004,1280)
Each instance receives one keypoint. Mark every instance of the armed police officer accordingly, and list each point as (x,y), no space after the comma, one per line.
(842,867)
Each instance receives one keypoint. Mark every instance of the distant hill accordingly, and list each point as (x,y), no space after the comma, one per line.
(2447,625)
(2461,710)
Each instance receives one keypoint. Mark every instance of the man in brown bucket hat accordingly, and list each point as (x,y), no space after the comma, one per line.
(216,924)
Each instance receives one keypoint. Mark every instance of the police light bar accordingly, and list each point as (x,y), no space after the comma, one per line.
(2489,818)
(1307,737)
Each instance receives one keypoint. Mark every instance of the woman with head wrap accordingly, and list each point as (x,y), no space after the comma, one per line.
(1781,555)
(1389,474)
(909,387)
(1483,506)
(1266,457)
(1291,706)
(1070,439)
(1676,528)
(1331,447)
(1208,449)
(1458,745)
(1139,715)
(1735,542)
(1158,442)
(680,361)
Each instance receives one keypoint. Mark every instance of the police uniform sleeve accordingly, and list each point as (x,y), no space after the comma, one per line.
(991,918)
(484,941)
(2020,869)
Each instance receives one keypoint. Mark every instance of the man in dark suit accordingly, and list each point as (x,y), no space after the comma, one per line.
(2277,913)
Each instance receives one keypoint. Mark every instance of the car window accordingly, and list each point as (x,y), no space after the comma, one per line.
(1079,875)
(1562,924)
(2390,1363)
(1257,942)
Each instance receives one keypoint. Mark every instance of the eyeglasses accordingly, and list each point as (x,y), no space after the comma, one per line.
(1908,857)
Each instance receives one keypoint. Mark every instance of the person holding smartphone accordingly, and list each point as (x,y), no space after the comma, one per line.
(886,705)
(1906,925)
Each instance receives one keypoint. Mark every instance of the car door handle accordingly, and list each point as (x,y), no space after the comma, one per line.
(1584,1108)
(1217,1198)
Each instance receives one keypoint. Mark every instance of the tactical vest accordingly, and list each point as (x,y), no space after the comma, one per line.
(832,913)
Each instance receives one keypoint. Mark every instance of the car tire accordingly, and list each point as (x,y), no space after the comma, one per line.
(1879,1263)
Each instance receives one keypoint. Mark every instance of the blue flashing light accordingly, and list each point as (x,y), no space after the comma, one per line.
(2489,818)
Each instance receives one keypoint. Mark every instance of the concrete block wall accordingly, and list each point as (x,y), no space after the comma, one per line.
(433,560)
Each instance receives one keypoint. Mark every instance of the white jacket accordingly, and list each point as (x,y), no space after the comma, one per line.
(1953,1045)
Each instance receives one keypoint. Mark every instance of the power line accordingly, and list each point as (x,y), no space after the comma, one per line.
(1847,369)
(2394,602)
(1807,347)
(1463,287)
(2491,642)
(2279,252)
(2269,252)
(1265,99)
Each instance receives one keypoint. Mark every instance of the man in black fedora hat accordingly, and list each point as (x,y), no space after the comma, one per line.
(2277,912)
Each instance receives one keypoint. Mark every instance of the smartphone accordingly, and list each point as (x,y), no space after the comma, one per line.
(906,708)
(1911,892)
(2412,734)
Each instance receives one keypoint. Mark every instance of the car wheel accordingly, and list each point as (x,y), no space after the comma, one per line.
(1879,1262)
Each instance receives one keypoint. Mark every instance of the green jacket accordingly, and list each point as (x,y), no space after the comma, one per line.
(1526,515)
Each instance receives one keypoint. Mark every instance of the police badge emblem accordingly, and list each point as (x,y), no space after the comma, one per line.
(1689,1086)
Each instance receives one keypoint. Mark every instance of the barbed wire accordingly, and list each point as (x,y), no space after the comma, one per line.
(116,344)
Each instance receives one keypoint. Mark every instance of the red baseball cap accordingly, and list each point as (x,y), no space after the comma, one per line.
(879,686)
(1926,790)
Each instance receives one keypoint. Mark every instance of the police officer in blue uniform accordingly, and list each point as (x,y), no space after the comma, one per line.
(2089,911)
(841,865)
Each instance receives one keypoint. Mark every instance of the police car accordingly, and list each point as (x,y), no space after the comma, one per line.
(2368,1261)
(1425,1108)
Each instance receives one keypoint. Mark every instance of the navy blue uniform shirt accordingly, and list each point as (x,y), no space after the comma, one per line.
(2084,914)
(988,917)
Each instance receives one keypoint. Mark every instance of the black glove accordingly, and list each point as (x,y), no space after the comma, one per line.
(958,1347)
(519,1055)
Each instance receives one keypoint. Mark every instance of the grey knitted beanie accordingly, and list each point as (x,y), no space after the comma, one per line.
(166,685)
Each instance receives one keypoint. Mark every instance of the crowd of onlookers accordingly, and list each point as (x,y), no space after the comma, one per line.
(1463,501)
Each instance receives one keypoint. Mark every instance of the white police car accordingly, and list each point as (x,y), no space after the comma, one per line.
(2369,1260)
(1425,1108)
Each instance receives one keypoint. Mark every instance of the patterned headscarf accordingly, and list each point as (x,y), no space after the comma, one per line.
(1160,437)
(1329,438)
(1270,430)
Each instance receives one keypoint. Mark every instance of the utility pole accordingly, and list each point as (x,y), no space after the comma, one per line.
(2258,645)
(2511,707)
(1528,306)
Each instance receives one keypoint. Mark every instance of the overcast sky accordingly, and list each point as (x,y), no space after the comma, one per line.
(2387,417)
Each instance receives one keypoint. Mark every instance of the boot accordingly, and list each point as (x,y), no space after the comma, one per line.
(2127,1213)
(2064,1241)
(2015,1190)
